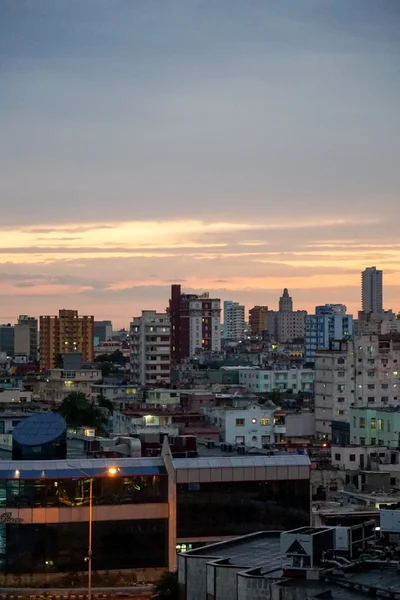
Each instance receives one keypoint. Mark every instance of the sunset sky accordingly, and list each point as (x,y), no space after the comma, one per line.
(235,146)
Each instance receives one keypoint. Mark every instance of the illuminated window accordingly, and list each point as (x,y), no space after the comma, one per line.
(265,421)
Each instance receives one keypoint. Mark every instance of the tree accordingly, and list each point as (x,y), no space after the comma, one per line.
(104,402)
(276,397)
(167,587)
(78,411)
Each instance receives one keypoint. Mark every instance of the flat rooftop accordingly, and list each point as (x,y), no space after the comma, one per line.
(260,549)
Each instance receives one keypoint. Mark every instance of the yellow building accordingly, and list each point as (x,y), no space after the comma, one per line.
(66,333)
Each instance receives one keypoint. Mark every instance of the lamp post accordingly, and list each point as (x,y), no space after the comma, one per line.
(111,471)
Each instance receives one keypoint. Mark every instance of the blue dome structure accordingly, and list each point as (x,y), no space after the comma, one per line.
(40,437)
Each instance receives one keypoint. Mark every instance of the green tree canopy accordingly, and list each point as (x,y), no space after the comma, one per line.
(78,411)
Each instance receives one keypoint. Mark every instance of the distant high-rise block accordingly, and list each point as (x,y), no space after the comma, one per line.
(26,336)
(285,302)
(103,330)
(258,319)
(64,334)
(371,290)
(195,323)
(151,349)
(233,320)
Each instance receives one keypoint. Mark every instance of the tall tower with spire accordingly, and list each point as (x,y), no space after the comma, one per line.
(285,302)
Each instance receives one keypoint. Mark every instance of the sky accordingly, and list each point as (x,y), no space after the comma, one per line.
(233,146)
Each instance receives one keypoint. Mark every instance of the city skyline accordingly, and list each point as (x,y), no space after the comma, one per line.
(239,149)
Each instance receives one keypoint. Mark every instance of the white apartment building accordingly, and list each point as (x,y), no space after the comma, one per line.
(150,349)
(233,320)
(61,382)
(127,424)
(254,426)
(372,290)
(282,378)
(14,396)
(363,372)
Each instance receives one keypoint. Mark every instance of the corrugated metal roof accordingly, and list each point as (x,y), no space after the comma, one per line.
(290,460)
(72,469)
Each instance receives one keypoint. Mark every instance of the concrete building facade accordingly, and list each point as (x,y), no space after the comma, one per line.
(150,360)
(330,322)
(195,324)
(26,337)
(282,378)
(372,290)
(233,320)
(258,319)
(363,372)
(65,333)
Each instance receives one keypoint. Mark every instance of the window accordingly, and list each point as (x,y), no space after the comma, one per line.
(240,422)
(340,399)
(265,421)
(337,456)
(340,412)
(362,423)
(371,373)
(354,422)
(381,424)
(373,441)
(352,458)
(385,386)
(373,423)
(371,399)
(362,441)
(388,426)
(371,386)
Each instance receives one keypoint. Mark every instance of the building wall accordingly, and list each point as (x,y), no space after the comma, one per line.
(356,373)
(66,333)
(282,379)
(374,426)
(26,336)
(258,319)
(253,426)
(372,290)
(233,320)
(7,340)
(320,329)
(195,324)
(151,349)
(14,396)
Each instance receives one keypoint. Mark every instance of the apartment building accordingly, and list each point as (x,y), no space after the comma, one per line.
(330,322)
(277,377)
(286,325)
(253,426)
(363,372)
(258,319)
(65,333)
(150,360)
(372,290)
(233,320)
(26,337)
(195,323)
(61,382)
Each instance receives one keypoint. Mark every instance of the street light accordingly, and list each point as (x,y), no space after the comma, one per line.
(111,471)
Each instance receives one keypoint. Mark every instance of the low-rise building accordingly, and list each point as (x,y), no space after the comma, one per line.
(278,377)
(14,396)
(254,426)
(61,382)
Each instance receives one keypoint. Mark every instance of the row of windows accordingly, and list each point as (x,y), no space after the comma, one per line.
(373,423)
(69,492)
(63,547)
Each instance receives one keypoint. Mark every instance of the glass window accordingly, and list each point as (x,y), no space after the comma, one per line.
(362,423)
(237,508)
(373,423)
(62,547)
(265,421)
(240,422)
(352,457)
